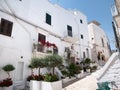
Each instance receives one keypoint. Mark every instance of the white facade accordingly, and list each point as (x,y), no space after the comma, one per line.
(29,19)
(115,10)
(99,42)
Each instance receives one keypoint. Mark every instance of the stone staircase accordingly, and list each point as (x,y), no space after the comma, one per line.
(111,71)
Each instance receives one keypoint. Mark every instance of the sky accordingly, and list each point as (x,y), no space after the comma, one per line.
(99,10)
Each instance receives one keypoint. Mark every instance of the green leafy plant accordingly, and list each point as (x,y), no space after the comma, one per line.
(53,61)
(8,68)
(38,63)
(87,61)
(49,51)
(94,68)
(73,69)
(50,78)
(65,73)
(8,81)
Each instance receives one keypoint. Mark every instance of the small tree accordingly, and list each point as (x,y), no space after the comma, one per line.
(31,67)
(52,61)
(38,63)
(8,68)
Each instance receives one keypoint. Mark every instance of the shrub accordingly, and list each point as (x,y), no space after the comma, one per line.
(65,73)
(50,78)
(73,69)
(8,68)
(87,61)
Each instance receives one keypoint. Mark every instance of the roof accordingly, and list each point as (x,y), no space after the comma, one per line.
(95,22)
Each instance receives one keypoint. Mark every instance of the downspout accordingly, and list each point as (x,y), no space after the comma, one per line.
(116,37)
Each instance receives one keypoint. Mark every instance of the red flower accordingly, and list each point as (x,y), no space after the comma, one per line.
(54,45)
(48,44)
(35,77)
(42,42)
(6,82)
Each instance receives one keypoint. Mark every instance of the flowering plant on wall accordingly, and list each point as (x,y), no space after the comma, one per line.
(47,44)
(42,42)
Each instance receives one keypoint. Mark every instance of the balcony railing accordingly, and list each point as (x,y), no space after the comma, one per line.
(70,37)
(40,50)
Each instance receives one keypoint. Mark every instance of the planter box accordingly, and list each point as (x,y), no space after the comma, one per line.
(82,71)
(67,79)
(6,88)
(28,84)
(41,85)
(88,70)
(51,85)
(77,75)
(35,85)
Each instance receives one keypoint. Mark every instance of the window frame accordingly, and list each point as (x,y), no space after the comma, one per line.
(6,27)
(48,19)
(69,31)
(82,37)
(81,21)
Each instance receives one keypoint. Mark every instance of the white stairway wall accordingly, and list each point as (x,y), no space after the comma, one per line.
(111,71)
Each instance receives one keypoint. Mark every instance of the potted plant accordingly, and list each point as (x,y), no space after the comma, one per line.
(50,80)
(7,83)
(37,63)
(93,68)
(73,69)
(30,77)
(87,64)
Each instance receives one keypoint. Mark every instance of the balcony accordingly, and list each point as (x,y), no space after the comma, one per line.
(69,37)
(40,50)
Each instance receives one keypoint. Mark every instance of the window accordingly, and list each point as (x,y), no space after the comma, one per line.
(41,39)
(6,27)
(84,56)
(69,28)
(102,42)
(48,19)
(87,50)
(81,21)
(81,36)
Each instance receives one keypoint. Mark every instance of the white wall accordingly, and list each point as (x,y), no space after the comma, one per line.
(24,35)
(97,33)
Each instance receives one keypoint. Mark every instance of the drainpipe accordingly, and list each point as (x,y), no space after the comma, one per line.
(116,37)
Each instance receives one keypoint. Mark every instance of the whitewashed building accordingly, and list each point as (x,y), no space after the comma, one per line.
(99,43)
(116,22)
(25,23)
